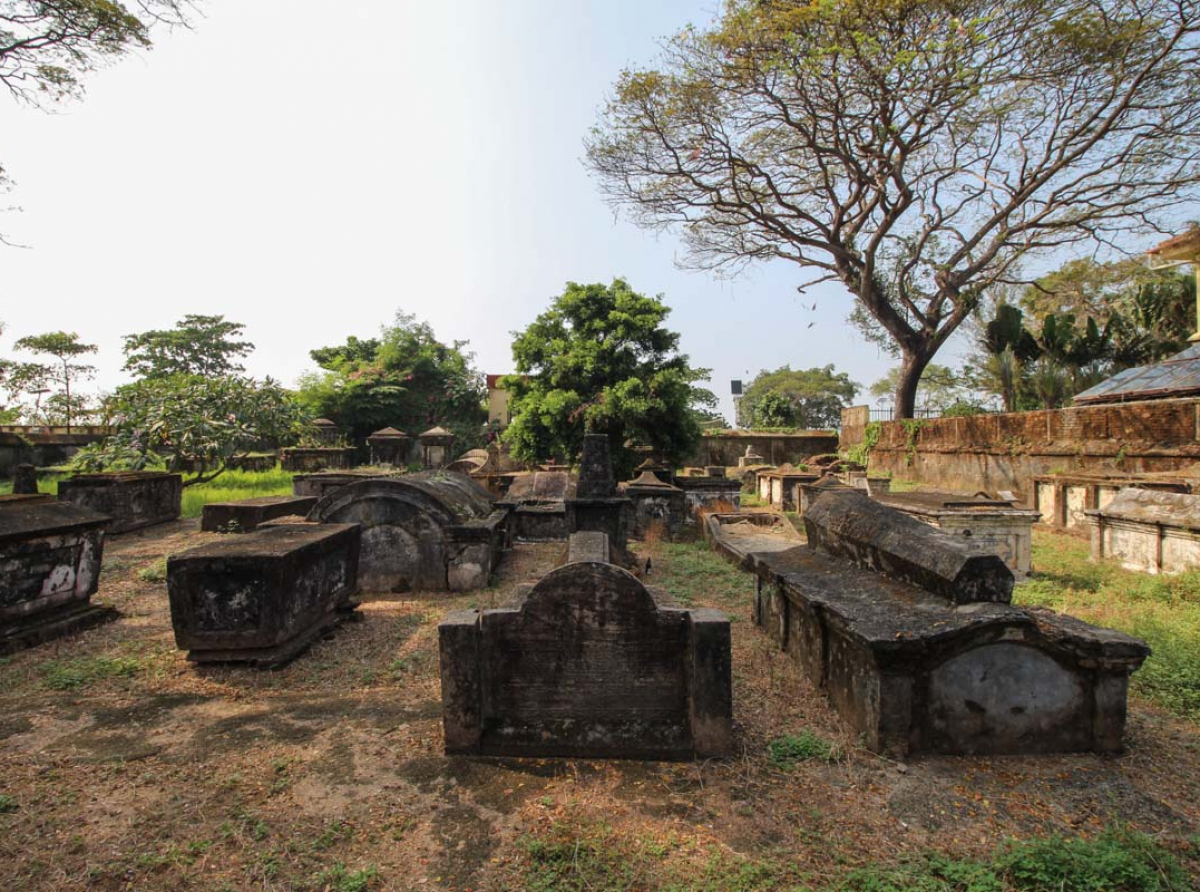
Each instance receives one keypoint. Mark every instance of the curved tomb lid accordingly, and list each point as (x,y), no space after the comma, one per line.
(459,497)
(388,432)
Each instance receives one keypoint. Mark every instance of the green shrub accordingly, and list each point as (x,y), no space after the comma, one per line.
(786,751)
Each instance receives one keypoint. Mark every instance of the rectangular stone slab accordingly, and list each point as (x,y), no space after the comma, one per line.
(264,597)
(133,500)
(247,515)
(50,555)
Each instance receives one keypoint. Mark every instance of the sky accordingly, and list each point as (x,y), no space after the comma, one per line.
(309,175)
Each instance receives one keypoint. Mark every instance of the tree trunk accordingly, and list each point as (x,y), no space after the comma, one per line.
(912,366)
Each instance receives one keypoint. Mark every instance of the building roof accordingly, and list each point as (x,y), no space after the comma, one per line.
(1174,377)
(1185,246)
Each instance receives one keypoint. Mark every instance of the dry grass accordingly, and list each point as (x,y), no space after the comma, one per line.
(124,767)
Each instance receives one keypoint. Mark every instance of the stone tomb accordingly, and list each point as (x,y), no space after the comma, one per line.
(596,507)
(777,486)
(944,666)
(50,555)
(264,597)
(389,446)
(1064,500)
(249,514)
(325,482)
(704,494)
(308,460)
(984,525)
(132,499)
(587,663)
(432,531)
(537,506)
(1154,532)
(653,505)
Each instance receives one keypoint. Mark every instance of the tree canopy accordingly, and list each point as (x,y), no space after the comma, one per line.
(406,378)
(810,399)
(600,360)
(919,153)
(66,370)
(197,345)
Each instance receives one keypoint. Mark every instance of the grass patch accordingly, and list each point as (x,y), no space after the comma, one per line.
(68,675)
(156,571)
(8,804)
(581,857)
(1163,610)
(753,500)
(691,573)
(340,878)
(789,750)
(234,486)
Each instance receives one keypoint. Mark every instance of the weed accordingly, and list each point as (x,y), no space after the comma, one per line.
(66,675)
(786,751)
(336,832)
(340,878)
(1163,610)
(155,572)
(8,805)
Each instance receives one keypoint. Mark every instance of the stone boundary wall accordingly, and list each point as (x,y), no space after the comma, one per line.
(1006,451)
(776,449)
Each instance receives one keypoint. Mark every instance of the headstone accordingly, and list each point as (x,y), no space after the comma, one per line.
(596,506)
(588,664)
(25,481)
(596,479)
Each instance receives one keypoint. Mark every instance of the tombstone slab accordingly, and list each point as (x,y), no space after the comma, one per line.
(263,598)
(133,499)
(249,514)
(50,554)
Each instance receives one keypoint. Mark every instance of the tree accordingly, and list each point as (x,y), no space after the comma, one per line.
(599,360)
(182,420)
(406,378)
(197,345)
(66,349)
(940,387)
(918,152)
(810,399)
(46,47)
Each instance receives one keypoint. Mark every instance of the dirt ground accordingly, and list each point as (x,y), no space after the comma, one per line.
(122,766)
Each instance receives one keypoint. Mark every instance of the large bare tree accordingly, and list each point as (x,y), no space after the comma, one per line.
(918,151)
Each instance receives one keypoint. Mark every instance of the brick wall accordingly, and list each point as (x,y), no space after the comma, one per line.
(1004,451)
(776,449)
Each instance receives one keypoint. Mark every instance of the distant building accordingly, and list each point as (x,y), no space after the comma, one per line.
(499,412)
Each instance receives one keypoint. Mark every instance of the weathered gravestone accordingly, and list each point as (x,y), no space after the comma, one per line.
(596,506)
(587,663)
(25,481)
(654,505)
(133,499)
(249,514)
(264,597)
(915,644)
(50,555)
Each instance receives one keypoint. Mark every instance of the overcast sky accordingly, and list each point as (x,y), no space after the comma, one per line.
(308,174)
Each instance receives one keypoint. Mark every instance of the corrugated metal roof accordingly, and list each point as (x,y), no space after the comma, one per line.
(1177,376)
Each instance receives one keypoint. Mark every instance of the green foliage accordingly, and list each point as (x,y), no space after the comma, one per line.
(600,360)
(8,804)
(938,388)
(194,418)
(234,486)
(67,675)
(406,379)
(810,399)
(1115,861)
(340,878)
(787,751)
(65,371)
(197,345)
(1162,610)
(861,454)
